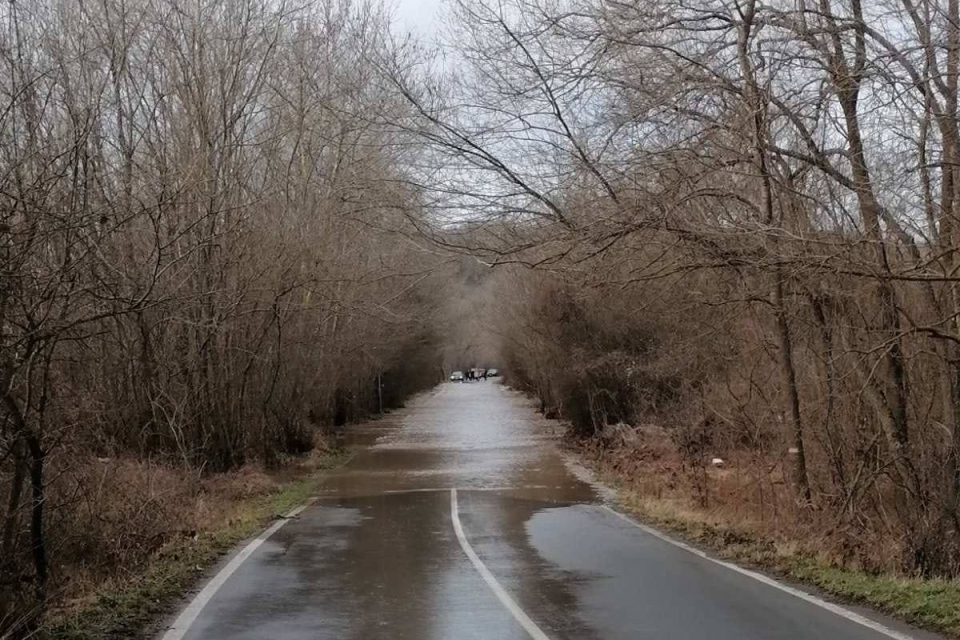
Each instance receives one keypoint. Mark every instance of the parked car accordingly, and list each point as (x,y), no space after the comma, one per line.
(456,376)
(492,373)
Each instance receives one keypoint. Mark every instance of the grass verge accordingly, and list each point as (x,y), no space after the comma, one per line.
(928,603)
(125,607)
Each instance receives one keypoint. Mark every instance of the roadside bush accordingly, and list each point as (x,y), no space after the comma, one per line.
(706,370)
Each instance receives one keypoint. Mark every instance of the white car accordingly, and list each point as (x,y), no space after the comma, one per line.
(456,376)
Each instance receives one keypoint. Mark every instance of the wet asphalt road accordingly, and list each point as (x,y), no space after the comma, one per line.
(377,556)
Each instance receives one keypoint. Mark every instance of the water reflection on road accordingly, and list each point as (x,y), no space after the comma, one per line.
(377,557)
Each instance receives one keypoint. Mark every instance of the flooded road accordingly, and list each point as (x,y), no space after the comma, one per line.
(461,521)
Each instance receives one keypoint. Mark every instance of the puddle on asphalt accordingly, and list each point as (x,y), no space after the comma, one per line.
(458,435)
(377,556)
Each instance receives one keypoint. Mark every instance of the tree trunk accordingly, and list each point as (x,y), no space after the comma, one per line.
(11,518)
(789,373)
(757,105)
(894,385)
(37,540)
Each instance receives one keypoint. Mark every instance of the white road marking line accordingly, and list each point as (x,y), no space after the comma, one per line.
(189,615)
(528,625)
(770,582)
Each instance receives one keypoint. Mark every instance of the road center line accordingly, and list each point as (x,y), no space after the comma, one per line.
(528,625)
(187,617)
(770,582)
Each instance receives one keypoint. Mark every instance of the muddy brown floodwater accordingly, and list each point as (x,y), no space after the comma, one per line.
(378,555)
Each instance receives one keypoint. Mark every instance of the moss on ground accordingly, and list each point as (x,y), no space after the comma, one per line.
(126,606)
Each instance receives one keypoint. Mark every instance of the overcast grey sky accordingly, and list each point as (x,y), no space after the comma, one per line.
(417,16)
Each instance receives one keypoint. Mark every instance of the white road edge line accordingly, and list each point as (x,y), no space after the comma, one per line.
(188,616)
(528,625)
(770,582)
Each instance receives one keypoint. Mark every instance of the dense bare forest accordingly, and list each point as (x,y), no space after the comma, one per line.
(733,223)
(728,227)
(197,265)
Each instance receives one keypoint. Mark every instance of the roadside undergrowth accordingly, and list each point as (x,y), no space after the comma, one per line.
(929,603)
(125,604)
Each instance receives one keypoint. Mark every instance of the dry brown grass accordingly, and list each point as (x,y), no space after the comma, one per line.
(747,496)
(126,510)
(115,522)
